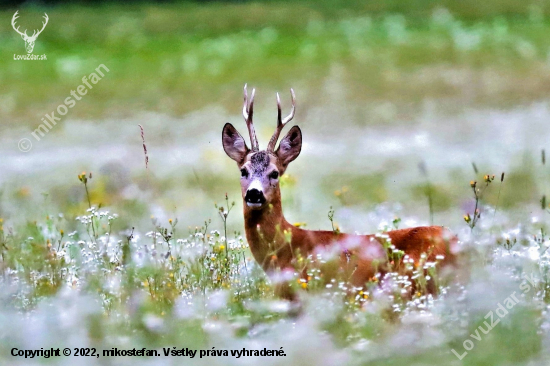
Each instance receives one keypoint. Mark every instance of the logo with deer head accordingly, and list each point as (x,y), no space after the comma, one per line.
(29,40)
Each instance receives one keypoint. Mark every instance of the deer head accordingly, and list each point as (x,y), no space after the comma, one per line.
(261,169)
(29,40)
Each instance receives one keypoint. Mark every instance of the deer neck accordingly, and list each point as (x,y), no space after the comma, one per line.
(265,228)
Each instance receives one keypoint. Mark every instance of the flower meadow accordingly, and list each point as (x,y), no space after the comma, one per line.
(200,290)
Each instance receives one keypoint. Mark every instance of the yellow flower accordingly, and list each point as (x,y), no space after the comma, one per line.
(145,284)
(304,284)
(82,177)
(24,192)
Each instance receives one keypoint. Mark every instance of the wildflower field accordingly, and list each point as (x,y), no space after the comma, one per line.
(121,227)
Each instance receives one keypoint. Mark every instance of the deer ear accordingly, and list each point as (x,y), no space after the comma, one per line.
(290,146)
(233,143)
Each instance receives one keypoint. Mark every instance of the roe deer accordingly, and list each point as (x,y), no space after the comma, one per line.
(274,242)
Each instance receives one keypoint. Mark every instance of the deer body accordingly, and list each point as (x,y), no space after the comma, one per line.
(274,242)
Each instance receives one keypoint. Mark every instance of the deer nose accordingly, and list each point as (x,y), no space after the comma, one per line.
(254,196)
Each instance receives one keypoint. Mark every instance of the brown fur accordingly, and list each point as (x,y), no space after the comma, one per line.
(265,231)
(274,242)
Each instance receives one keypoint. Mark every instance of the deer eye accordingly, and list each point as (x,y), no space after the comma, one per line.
(274,175)
(244,173)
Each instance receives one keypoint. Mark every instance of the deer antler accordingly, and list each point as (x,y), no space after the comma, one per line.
(281,123)
(35,33)
(43,26)
(248,111)
(15,16)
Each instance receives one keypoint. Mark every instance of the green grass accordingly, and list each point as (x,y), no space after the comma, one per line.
(182,57)
(169,287)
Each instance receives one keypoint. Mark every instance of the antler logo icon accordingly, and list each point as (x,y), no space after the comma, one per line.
(29,40)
